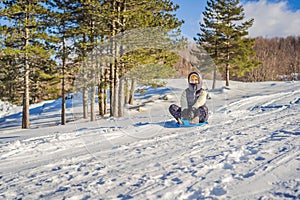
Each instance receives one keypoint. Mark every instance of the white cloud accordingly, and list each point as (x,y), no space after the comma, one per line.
(272,19)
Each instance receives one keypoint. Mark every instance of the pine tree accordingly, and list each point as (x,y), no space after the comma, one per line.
(61,24)
(154,20)
(123,17)
(89,27)
(210,37)
(25,43)
(224,36)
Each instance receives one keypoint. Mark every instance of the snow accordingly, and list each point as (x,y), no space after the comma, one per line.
(249,149)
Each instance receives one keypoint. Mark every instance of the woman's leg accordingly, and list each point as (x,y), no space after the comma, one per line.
(202,113)
(175,111)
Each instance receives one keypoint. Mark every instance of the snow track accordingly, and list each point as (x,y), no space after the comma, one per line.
(249,150)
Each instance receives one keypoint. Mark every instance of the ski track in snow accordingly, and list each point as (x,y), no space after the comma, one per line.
(249,150)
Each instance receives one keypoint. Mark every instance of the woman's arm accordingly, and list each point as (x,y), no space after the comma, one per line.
(201,99)
(183,101)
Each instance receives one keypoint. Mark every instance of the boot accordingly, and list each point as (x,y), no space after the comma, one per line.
(195,120)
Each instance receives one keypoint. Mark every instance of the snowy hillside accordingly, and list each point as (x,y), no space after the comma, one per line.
(249,149)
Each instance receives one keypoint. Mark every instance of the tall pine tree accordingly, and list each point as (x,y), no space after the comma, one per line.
(90,29)
(224,36)
(123,17)
(61,23)
(25,45)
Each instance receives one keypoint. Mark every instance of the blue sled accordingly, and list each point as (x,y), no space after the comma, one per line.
(186,123)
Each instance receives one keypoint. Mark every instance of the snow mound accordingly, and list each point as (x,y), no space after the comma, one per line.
(7,108)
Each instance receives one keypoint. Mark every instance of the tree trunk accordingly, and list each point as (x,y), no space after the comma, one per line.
(132,89)
(112,88)
(85,72)
(101,100)
(112,65)
(121,100)
(101,93)
(121,97)
(127,90)
(26,96)
(101,84)
(117,53)
(227,65)
(63,99)
(215,65)
(106,80)
(116,92)
(214,77)
(85,102)
(93,102)
(227,74)
(25,114)
(92,79)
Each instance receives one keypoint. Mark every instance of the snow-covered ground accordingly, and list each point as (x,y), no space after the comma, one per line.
(249,149)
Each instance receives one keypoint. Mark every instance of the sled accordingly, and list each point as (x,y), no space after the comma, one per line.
(186,123)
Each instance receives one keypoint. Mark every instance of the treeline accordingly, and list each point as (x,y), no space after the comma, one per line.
(279,59)
(46,46)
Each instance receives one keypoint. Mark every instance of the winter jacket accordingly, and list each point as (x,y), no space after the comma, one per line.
(197,102)
(194,95)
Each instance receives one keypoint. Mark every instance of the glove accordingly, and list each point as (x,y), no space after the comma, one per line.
(188,113)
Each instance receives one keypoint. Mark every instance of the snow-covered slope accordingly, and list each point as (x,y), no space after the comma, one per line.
(249,150)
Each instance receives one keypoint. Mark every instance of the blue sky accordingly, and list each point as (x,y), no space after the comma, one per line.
(272,18)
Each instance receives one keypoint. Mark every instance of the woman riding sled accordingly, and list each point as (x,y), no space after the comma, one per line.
(192,102)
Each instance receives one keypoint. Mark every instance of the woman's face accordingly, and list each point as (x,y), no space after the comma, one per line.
(194,80)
